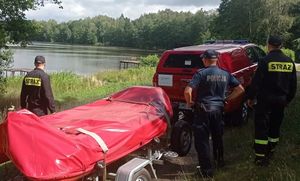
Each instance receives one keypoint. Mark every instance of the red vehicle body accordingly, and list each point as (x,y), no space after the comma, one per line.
(177,67)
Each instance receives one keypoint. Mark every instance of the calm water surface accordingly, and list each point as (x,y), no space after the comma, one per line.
(75,58)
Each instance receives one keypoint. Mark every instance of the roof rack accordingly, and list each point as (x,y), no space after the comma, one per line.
(227,41)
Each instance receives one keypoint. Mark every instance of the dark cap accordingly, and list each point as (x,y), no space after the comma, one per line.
(39,60)
(210,54)
(275,41)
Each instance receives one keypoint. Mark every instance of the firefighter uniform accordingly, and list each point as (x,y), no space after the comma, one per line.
(274,86)
(211,84)
(36,93)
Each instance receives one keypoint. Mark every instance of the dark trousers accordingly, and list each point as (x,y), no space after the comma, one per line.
(268,118)
(206,123)
(39,111)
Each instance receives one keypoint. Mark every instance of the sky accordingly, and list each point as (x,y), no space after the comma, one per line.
(133,9)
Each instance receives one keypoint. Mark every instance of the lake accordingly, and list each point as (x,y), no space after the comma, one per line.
(75,58)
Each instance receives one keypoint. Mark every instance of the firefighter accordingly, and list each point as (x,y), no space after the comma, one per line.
(36,93)
(210,83)
(273,87)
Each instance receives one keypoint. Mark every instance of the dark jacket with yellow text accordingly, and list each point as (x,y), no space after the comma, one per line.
(36,91)
(275,77)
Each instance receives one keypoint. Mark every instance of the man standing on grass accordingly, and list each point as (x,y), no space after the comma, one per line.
(273,86)
(211,83)
(36,94)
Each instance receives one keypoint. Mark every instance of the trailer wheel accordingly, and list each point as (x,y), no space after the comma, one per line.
(142,175)
(181,138)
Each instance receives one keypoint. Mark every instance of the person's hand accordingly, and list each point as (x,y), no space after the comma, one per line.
(250,103)
(190,104)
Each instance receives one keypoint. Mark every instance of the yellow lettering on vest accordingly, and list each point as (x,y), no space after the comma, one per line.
(33,81)
(280,67)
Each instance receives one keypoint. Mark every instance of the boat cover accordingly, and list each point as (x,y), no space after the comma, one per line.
(51,147)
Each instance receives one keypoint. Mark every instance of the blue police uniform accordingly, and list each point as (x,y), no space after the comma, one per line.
(211,84)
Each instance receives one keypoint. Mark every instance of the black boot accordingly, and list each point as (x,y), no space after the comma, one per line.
(204,173)
(261,161)
(219,159)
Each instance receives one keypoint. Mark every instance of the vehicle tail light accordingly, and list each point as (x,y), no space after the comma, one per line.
(155,80)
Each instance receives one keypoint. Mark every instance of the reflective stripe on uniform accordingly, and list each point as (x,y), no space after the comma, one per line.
(273,140)
(280,67)
(261,142)
(33,81)
(261,155)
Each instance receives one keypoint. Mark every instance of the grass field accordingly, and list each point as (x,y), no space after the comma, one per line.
(71,90)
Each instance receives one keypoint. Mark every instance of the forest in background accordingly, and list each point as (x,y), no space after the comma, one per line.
(253,20)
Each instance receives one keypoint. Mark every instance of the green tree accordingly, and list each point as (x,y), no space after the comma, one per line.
(63,33)
(50,30)
(169,29)
(295,29)
(102,24)
(252,19)
(14,28)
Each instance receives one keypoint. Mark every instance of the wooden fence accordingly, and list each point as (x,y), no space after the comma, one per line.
(16,71)
(124,64)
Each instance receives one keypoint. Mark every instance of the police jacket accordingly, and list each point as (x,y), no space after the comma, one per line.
(36,91)
(275,78)
(211,84)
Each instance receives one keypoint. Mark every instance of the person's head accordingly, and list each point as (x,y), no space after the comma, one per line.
(39,62)
(209,57)
(274,42)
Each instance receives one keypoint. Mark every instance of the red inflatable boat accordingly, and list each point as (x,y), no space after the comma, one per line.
(68,144)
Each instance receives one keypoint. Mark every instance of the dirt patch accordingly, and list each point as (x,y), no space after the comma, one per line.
(178,168)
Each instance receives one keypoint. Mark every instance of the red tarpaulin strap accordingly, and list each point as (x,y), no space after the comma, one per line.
(128,101)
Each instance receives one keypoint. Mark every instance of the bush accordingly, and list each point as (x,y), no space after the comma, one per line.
(149,61)
(6,58)
(288,52)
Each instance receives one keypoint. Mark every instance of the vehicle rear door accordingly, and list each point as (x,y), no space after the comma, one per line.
(176,71)
(254,54)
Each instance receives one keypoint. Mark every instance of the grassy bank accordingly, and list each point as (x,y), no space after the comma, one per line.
(70,89)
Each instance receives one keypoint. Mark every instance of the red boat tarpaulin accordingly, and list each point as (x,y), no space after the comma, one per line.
(53,147)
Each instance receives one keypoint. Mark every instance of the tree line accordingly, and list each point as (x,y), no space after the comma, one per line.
(161,30)
(253,20)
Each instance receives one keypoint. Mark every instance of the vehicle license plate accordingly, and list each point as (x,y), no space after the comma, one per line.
(165,80)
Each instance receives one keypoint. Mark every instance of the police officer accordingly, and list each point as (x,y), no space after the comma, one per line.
(273,86)
(36,94)
(211,84)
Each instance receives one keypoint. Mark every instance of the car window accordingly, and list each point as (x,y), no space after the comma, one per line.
(184,61)
(251,53)
(260,53)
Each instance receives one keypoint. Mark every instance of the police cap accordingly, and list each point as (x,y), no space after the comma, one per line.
(210,54)
(275,41)
(39,60)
